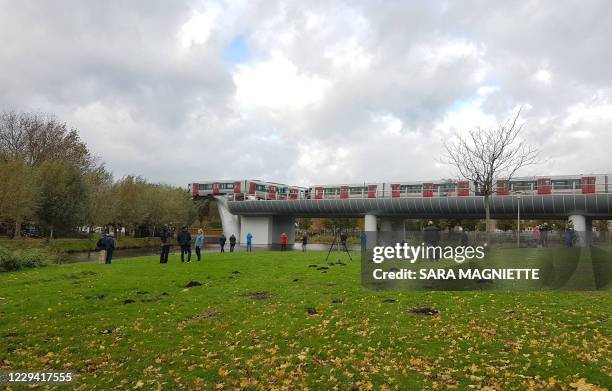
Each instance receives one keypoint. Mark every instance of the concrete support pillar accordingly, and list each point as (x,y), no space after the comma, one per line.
(583,228)
(229,222)
(370,223)
(284,224)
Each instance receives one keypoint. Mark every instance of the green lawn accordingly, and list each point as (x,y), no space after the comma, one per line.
(248,326)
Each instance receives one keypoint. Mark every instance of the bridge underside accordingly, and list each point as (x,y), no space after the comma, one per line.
(266,220)
(556,206)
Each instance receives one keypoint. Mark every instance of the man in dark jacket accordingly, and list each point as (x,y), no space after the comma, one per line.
(343,239)
(165,242)
(304,241)
(222,241)
(109,245)
(184,239)
(431,237)
(232,242)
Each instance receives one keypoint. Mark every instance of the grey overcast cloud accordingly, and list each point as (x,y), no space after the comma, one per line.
(311,92)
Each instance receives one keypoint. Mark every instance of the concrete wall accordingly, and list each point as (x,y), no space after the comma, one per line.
(266,230)
(259,226)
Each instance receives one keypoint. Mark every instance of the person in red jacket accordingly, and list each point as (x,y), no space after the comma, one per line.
(283,241)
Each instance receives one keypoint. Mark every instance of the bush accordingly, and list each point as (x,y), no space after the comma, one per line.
(12,261)
(32,258)
(8,261)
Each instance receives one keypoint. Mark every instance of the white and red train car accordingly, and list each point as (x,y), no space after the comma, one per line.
(247,189)
(560,184)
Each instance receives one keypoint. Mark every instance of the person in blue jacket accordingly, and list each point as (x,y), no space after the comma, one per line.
(364,240)
(249,242)
(199,243)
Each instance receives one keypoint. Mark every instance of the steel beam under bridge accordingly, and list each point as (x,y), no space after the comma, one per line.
(552,206)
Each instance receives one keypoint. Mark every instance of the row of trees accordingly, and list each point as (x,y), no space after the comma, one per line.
(49,178)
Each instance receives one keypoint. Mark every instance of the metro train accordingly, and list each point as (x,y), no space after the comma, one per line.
(568,184)
(247,189)
(260,190)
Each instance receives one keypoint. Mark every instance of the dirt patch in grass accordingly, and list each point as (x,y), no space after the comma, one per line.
(257,295)
(191,284)
(428,311)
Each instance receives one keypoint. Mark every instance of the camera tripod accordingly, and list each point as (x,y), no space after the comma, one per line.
(335,242)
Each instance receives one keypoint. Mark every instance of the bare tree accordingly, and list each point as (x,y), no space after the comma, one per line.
(484,155)
(38,137)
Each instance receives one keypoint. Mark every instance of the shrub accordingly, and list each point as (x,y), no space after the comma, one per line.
(32,258)
(12,261)
(8,261)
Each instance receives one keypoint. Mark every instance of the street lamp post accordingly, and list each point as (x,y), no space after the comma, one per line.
(518,221)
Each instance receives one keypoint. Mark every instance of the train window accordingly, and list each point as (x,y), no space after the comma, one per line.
(523,185)
(563,184)
(261,188)
(411,188)
(356,189)
(205,186)
(445,187)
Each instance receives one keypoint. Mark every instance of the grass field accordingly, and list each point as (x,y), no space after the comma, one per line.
(268,320)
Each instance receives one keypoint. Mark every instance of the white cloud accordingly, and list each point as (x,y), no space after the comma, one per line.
(277,84)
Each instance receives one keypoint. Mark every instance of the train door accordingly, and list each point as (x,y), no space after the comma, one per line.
(503,187)
(372,191)
(463,188)
(215,188)
(272,192)
(544,186)
(587,184)
(252,188)
(395,190)
(293,194)
(195,189)
(428,189)
(318,193)
(344,192)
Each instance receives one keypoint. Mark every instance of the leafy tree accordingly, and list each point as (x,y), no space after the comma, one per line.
(100,202)
(18,193)
(63,196)
(304,223)
(342,223)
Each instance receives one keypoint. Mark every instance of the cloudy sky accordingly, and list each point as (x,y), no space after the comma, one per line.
(311,92)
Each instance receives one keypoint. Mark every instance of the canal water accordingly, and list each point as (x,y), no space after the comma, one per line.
(141,252)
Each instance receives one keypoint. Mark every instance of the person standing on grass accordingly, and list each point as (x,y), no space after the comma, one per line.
(343,239)
(304,241)
(184,239)
(165,238)
(199,243)
(535,236)
(109,246)
(232,242)
(222,241)
(431,236)
(364,240)
(283,241)
(100,247)
(249,242)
